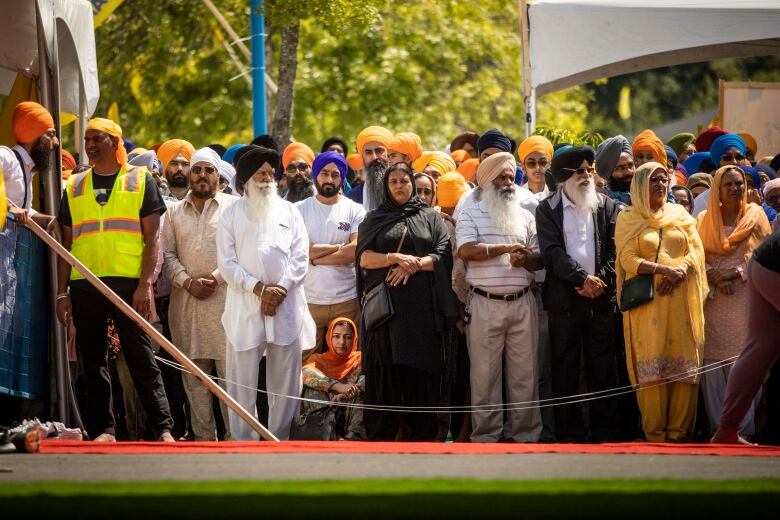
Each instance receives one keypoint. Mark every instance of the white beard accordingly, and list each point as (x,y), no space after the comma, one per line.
(503,208)
(582,194)
(261,199)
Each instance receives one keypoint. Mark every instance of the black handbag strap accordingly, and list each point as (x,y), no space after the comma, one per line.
(24,176)
(403,237)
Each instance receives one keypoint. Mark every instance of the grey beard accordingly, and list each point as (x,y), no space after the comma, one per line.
(374,188)
(295,194)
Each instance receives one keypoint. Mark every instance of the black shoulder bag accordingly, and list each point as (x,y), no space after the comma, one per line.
(639,289)
(317,425)
(377,304)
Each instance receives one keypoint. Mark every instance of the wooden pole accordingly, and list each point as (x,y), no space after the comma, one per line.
(153,333)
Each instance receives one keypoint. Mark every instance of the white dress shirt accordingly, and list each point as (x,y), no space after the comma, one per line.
(247,254)
(14,176)
(579,234)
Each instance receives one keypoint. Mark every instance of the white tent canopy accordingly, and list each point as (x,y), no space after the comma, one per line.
(571,42)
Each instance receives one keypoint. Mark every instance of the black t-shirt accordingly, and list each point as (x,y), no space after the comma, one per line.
(768,253)
(103,184)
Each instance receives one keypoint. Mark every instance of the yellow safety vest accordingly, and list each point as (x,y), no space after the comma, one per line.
(108,239)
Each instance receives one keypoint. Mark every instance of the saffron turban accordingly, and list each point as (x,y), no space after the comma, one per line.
(170,149)
(327,158)
(408,144)
(460,140)
(460,155)
(468,168)
(649,142)
(297,151)
(68,161)
(722,144)
(565,162)
(114,130)
(206,155)
(535,143)
(355,161)
(450,189)
(750,141)
(373,133)
(608,154)
(493,139)
(253,160)
(439,161)
(681,141)
(695,162)
(30,121)
(492,167)
(706,138)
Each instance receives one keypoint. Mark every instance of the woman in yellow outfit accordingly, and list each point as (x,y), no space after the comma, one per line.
(665,336)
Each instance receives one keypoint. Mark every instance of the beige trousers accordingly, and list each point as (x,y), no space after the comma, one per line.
(202,414)
(504,333)
(324,314)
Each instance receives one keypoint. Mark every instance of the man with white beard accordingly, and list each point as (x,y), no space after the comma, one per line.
(497,239)
(263,254)
(576,228)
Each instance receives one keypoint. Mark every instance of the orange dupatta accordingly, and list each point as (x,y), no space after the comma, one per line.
(332,364)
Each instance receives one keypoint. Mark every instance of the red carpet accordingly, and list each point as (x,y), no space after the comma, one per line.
(635,448)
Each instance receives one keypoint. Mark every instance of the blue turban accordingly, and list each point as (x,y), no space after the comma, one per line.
(494,139)
(722,144)
(670,155)
(325,159)
(694,162)
(772,174)
(749,170)
(561,149)
(231,152)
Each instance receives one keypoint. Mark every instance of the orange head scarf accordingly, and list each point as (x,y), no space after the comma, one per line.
(30,121)
(297,151)
(330,363)
(535,143)
(439,161)
(752,223)
(408,144)
(450,189)
(460,155)
(648,141)
(114,130)
(468,169)
(68,161)
(373,133)
(355,161)
(170,149)
(750,142)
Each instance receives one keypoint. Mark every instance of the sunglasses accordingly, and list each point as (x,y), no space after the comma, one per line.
(581,171)
(301,167)
(733,157)
(532,164)
(207,170)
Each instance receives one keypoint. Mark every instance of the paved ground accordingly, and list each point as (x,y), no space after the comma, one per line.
(40,467)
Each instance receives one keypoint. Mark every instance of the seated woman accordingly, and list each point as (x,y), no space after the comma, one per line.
(335,375)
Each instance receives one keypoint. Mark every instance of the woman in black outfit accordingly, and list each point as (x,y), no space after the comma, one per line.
(407,358)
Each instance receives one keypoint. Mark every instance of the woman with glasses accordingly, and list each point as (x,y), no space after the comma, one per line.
(664,336)
(730,229)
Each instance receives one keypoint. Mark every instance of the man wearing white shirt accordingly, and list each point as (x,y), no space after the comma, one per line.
(263,254)
(332,222)
(576,229)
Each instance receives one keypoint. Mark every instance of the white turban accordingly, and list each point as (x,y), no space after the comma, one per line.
(227,171)
(206,155)
(492,167)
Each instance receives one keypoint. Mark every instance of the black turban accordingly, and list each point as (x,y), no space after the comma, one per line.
(240,153)
(570,158)
(330,141)
(493,139)
(267,141)
(252,160)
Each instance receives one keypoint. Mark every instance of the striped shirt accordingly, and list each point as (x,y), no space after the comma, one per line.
(495,275)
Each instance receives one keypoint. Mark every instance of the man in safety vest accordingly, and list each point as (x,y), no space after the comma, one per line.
(110,216)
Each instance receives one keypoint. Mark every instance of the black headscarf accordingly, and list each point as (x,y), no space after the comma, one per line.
(428,234)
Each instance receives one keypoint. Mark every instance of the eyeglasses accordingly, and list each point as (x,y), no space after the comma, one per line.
(531,164)
(581,171)
(301,167)
(659,179)
(207,170)
(738,157)
(624,167)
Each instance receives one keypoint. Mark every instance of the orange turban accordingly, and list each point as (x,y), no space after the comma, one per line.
(468,168)
(408,144)
(450,189)
(750,142)
(297,151)
(68,161)
(355,161)
(439,161)
(648,141)
(30,121)
(170,149)
(114,130)
(535,143)
(374,133)
(460,155)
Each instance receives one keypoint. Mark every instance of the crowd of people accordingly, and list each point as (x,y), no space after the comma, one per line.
(491,292)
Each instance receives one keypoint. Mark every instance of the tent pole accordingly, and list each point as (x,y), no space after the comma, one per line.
(529,94)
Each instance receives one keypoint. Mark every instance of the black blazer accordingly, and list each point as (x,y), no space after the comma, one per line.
(563,272)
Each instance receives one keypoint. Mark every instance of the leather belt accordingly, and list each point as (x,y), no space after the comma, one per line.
(501,297)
